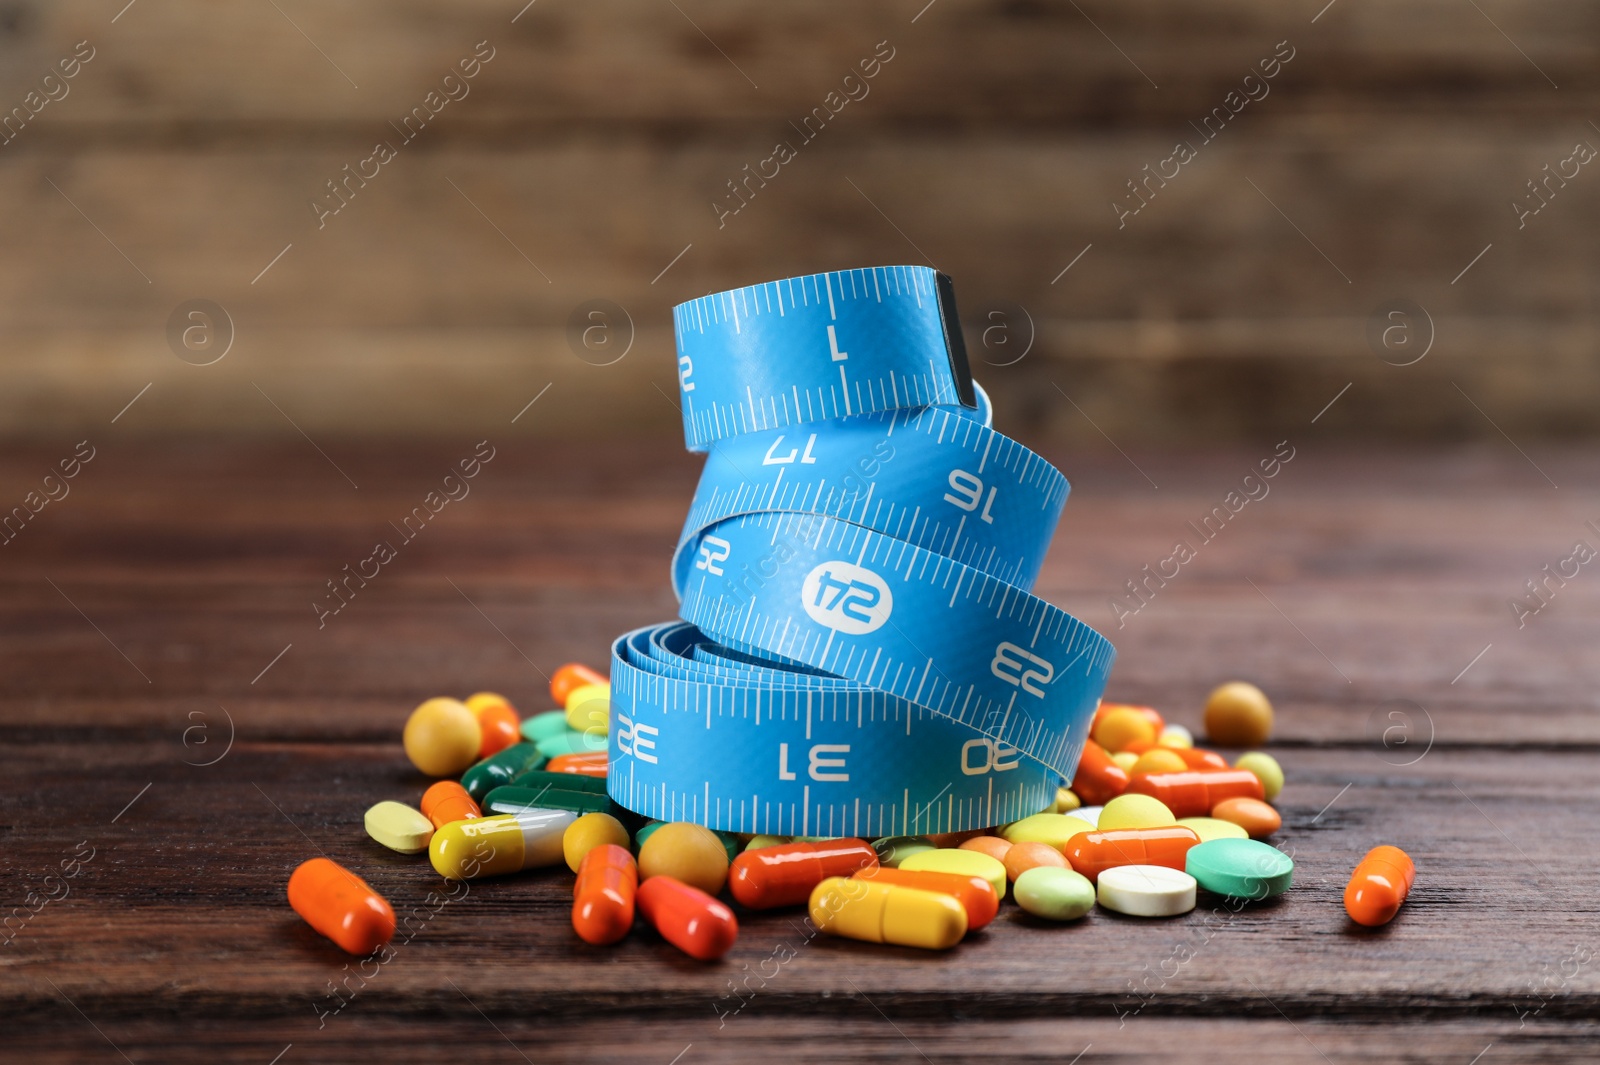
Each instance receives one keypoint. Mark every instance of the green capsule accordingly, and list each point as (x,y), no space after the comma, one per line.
(500,768)
(545,725)
(511,799)
(892,850)
(543,778)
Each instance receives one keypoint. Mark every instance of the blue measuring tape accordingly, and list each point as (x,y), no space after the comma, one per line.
(859,654)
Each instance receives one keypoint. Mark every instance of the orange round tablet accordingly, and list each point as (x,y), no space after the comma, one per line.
(993,846)
(1252,815)
(1030,855)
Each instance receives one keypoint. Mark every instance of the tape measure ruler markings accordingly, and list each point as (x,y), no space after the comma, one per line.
(862,666)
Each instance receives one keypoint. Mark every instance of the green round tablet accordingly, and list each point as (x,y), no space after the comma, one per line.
(1240,868)
(1054,893)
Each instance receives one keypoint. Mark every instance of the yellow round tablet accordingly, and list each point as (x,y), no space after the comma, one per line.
(1135,811)
(964,863)
(1055,829)
(1210,828)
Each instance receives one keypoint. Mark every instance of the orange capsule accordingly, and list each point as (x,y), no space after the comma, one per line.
(499,724)
(1092,853)
(1199,758)
(341,906)
(569,678)
(1098,779)
(688,918)
(785,875)
(1254,816)
(448,801)
(583,764)
(602,899)
(1194,793)
(1379,885)
(975,894)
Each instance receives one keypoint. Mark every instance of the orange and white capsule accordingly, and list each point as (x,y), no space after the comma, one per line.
(603,898)
(341,906)
(784,876)
(1379,885)
(448,801)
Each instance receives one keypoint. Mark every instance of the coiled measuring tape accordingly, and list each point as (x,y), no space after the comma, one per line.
(858,653)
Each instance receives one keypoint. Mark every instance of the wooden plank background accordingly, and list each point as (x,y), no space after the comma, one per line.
(590,149)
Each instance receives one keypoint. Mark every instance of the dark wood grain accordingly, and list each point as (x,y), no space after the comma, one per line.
(198,561)
(993,144)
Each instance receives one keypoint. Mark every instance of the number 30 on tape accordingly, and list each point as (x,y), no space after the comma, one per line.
(858,653)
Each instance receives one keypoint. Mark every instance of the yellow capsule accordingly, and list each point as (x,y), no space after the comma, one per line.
(587,833)
(1066,799)
(493,846)
(589,707)
(1125,760)
(888,913)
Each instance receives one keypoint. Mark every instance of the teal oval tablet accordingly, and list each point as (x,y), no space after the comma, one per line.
(1054,893)
(1240,868)
(570,742)
(544,726)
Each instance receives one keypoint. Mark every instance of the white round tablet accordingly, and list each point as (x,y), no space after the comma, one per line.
(1147,890)
(1090,814)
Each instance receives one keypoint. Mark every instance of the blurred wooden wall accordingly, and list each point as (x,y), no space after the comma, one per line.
(588,153)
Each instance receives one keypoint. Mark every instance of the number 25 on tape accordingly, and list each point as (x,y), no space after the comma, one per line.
(1021,668)
(847,598)
(713,549)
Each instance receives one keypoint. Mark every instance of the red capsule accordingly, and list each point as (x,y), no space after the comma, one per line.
(785,875)
(341,906)
(1194,793)
(603,898)
(1099,779)
(1092,853)
(1379,885)
(688,918)
(975,894)
(583,764)
(571,677)
(448,801)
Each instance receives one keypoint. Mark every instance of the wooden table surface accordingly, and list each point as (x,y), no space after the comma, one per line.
(179,733)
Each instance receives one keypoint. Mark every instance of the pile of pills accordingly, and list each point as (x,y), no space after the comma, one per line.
(1148,821)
